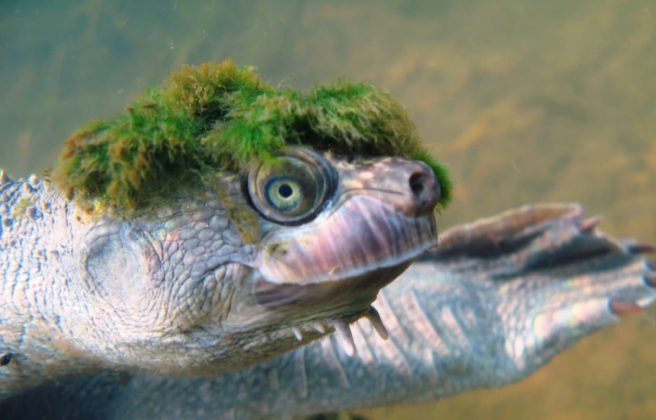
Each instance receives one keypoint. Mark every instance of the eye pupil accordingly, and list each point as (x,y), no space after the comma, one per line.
(285,191)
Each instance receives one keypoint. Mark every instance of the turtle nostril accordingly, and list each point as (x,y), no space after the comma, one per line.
(424,189)
(417,181)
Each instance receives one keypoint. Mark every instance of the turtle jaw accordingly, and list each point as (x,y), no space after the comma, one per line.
(345,298)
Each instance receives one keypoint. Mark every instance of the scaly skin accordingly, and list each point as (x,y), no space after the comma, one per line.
(202,283)
(496,301)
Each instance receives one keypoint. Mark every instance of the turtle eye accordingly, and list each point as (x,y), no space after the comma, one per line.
(291,188)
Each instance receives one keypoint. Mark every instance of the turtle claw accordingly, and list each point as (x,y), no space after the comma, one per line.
(650,279)
(590,224)
(624,307)
(636,248)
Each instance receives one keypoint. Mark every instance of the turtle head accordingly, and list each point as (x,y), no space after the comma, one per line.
(232,221)
(333,231)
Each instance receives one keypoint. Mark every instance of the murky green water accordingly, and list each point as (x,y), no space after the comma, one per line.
(526,102)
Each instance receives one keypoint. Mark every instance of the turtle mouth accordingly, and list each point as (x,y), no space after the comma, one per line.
(338,263)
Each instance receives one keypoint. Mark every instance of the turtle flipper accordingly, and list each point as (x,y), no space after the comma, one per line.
(552,275)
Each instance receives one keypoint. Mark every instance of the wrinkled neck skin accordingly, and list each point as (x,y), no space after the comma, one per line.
(80,293)
(36,255)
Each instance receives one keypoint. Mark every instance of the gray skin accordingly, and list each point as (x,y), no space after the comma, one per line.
(494,302)
(202,283)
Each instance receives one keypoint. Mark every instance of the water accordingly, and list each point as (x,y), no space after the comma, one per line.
(539,101)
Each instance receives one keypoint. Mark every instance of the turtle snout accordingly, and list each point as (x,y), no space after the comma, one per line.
(408,186)
(424,188)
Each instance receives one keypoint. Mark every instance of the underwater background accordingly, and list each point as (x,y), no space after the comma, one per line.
(524,101)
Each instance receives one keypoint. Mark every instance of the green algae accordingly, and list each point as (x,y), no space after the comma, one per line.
(219,117)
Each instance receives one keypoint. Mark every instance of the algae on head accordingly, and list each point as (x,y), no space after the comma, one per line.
(221,117)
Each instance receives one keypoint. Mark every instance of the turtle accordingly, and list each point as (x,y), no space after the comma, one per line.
(226,248)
